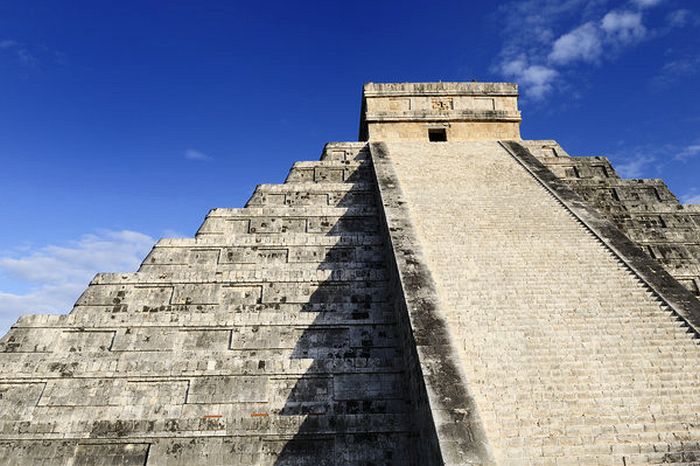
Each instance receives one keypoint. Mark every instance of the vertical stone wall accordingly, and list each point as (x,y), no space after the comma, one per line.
(463,111)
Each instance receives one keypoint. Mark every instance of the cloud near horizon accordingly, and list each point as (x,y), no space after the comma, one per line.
(54,276)
(691,197)
(635,167)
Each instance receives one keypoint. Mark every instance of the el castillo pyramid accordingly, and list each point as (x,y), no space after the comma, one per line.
(441,292)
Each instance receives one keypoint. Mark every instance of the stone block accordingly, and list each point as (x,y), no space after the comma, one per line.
(17,400)
(253,255)
(146,339)
(111,454)
(29,340)
(79,341)
(228,389)
(366,386)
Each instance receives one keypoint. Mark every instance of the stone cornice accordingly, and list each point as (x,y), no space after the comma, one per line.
(440,88)
(452,115)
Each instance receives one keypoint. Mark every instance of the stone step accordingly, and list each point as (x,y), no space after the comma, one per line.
(27,367)
(256,422)
(204,314)
(258,448)
(235,267)
(314,194)
(317,220)
(553,366)
(248,212)
(552,337)
(660,387)
(120,292)
(681,268)
(303,314)
(261,255)
(314,339)
(322,188)
(234,262)
(288,239)
(665,235)
(293,397)
(329,172)
(345,151)
(294,273)
(608,326)
(662,349)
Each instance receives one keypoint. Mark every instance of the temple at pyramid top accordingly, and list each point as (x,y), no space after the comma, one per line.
(440,111)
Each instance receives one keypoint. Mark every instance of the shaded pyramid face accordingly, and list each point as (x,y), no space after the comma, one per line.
(269,338)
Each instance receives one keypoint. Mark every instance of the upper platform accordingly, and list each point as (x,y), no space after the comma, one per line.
(441,111)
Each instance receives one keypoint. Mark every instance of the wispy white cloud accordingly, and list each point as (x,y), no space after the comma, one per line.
(31,56)
(583,43)
(675,70)
(646,3)
(20,51)
(52,277)
(537,79)
(588,42)
(687,152)
(691,197)
(541,52)
(193,154)
(682,17)
(528,29)
(635,167)
(650,160)
(623,27)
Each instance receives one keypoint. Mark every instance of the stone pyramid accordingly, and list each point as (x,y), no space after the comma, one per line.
(442,292)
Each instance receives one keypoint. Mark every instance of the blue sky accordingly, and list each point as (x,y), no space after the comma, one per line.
(122,122)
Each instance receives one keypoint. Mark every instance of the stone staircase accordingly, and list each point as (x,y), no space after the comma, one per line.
(644,209)
(570,357)
(269,338)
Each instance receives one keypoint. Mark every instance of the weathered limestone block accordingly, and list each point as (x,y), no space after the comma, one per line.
(293,220)
(80,340)
(313,194)
(17,400)
(345,151)
(182,256)
(327,172)
(28,340)
(228,390)
(116,295)
(82,454)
